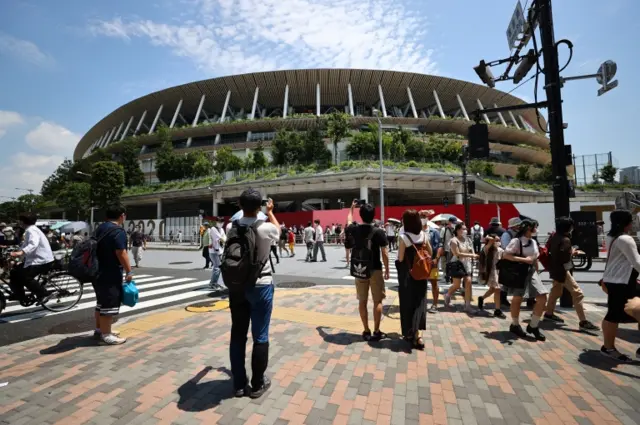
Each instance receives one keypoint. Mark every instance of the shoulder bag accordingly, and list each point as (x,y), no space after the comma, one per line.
(512,274)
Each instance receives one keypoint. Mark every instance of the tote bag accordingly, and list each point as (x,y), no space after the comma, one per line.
(512,274)
(129,294)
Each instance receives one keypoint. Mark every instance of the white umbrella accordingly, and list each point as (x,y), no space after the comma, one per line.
(394,221)
(443,217)
(74,226)
(432,225)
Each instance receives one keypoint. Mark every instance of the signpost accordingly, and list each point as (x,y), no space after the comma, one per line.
(516,27)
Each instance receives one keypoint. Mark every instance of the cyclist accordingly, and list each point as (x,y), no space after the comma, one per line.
(38,259)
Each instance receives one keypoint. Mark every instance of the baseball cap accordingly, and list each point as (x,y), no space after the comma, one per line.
(453,220)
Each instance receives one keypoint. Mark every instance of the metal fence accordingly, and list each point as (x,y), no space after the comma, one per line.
(587,167)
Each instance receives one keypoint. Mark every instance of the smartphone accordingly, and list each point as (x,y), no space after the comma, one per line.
(264,202)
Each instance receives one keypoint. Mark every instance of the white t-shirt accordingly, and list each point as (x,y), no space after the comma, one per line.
(529,247)
(267,235)
(216,236)
(391,231)
(411,238)
(319,234)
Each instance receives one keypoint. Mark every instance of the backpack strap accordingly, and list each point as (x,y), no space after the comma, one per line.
(112,230)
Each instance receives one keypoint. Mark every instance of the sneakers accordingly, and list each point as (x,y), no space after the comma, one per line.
(553,318)
(480,303)
(112,339)
(98,335)
(499,314)
(447,301)
(616,355)
(536,333)
(586,325)
(433,308)
(517,330)
(242,392)
(259,392)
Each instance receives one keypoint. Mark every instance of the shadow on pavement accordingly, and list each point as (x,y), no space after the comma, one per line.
(596,360)
(505,337)
(70,343)
(393,342)
(196,397)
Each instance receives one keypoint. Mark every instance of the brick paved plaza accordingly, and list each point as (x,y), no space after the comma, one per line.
(174,369)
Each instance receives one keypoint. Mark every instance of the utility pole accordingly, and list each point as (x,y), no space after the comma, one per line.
(553,87)
(465,188)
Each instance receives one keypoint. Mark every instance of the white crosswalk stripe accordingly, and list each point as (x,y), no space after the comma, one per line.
(393,274)
(155,292)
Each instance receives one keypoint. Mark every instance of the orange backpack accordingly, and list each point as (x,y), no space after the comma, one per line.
(421,268)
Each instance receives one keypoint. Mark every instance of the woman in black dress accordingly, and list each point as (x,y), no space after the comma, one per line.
(412,293)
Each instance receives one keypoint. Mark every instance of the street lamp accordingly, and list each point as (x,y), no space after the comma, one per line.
(92,207)
(376,112)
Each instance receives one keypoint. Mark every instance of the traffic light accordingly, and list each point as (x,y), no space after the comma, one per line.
(478,141)
(485,74)
(471,187)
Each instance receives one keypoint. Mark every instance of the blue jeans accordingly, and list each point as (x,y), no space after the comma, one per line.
(215,263)
(251,306)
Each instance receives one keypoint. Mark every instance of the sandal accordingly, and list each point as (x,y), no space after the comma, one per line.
(418,344)
(366,335)
(378,335)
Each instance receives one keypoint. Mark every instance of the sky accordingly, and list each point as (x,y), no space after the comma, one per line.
(65,65)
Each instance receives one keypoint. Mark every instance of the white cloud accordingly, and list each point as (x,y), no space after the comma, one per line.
(24,50)
(234,36)
(9,119)
(51,137)
(27,171)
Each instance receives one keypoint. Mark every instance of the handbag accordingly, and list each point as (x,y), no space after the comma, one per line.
(130,294)
(512,274)
(456,269)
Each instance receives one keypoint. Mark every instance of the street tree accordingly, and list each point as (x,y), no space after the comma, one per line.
(76,198)
(107,183)
(53,184)
(608,173)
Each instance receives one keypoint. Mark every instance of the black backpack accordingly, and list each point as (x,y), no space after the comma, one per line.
(83,262)
(240,266)
(362,255)
(476,234)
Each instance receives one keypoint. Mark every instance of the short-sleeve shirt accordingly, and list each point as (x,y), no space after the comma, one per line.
(464,247)
(529,247)
(108,262)
(360,232)
(267,235)
(137,239)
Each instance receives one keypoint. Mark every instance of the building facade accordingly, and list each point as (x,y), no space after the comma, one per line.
(630,175)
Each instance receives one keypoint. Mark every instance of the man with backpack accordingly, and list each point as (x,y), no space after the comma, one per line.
(445,239)
(368,244)
(113,260)
(247,272)
(477,234)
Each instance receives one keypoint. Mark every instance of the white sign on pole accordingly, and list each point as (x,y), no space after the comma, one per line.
(516,26)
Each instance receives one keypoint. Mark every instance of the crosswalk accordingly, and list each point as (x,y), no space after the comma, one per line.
(155,292)
(393,275)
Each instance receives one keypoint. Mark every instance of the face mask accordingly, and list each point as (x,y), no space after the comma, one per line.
(464,233)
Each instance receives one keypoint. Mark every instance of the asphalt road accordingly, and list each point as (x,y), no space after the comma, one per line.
(170,278)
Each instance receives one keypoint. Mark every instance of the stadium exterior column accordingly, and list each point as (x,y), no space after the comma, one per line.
(364,190)
(126,129)
(382,104)
(500,116)
(144,114)
(285,107)
(113,130)
(485,116)
(462,108)
(459,197)
(224,115)
(318,99)
(197,117)
(253,110)
(412,103)
(435,96)
(524,124)
(351,110)
(214,205)
(115,137)
(155,120)
(175,115)
(159,209)
(513,120)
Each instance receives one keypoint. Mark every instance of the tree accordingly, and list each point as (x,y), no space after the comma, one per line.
(476,166)
(337,129)
(227,161)
(166,163)
(287,148)
(608,173)
(201,165)
(314,150)
(399,140)
(546,174)
(76,197)
(259,159)
(362,146)
(133,175)
(53,184)
(596,178)
(99,155)
(107,183)
(489,169)
(29,203)
(523,173)
(9,211)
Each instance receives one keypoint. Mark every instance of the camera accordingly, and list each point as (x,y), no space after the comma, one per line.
(359,202)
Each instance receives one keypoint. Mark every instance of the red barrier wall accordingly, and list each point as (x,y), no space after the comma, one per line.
(480,212)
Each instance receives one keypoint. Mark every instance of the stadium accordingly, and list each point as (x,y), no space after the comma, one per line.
(241,111)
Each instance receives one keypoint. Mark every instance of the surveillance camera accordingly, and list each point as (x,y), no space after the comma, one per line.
(565,125)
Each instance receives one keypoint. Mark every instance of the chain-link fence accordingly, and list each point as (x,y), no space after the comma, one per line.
(587,168)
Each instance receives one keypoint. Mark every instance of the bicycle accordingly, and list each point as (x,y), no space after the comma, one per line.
(64,291)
